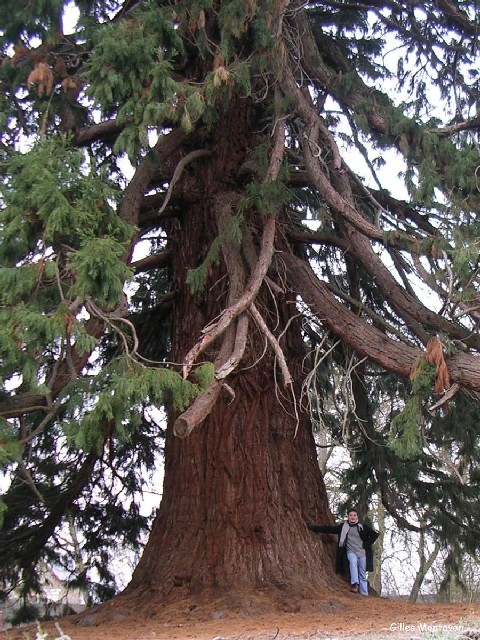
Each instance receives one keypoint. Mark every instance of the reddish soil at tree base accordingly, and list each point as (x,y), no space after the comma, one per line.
(330,616)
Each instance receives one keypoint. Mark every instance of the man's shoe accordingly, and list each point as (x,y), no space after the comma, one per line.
(354,588)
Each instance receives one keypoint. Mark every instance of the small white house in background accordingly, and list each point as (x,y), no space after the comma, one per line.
(55,599)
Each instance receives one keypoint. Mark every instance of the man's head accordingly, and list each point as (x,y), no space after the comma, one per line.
(352,516)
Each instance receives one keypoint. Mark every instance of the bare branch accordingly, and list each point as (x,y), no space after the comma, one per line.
(179,169)
(287,378)
(448,395)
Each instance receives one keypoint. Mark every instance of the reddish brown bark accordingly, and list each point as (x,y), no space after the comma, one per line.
(239,489)
(236,496)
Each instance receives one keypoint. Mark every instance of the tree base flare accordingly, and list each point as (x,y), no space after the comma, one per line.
(212,604)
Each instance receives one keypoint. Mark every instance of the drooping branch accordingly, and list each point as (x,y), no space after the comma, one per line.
(366,339)
(179,169)
(358,229)
(376,318)
(235,337)
(129,208)
(274,344)
(213,331)
(216,329)
(325,63)
(65,371)
(314,153)
(29,541)
(418,317)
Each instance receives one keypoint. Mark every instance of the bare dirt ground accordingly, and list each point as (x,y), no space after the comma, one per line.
(331,616)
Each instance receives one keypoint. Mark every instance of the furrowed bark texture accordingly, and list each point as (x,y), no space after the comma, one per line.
(237,493)
(239,489)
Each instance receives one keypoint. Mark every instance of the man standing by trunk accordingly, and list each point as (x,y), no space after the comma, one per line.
(354,551)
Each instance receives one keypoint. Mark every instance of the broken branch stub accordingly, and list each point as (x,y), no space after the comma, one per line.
(198,411)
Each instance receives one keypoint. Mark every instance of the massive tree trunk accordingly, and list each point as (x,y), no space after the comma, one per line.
(236,497)
(239,489)
(253,103)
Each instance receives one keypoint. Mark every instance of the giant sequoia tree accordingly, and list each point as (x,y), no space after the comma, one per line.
(196,216)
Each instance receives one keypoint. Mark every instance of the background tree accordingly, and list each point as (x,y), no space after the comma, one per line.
(243,242)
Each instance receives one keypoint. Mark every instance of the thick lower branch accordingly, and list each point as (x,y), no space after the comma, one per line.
(366,339)
(419,318)
(37,536)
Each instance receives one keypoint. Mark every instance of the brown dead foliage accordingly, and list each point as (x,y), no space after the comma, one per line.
(435,357)
(42,77)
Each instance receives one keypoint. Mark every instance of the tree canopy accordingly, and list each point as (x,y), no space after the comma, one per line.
(184,185)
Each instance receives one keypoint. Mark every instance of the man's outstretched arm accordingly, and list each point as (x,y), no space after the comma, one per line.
(317,528)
